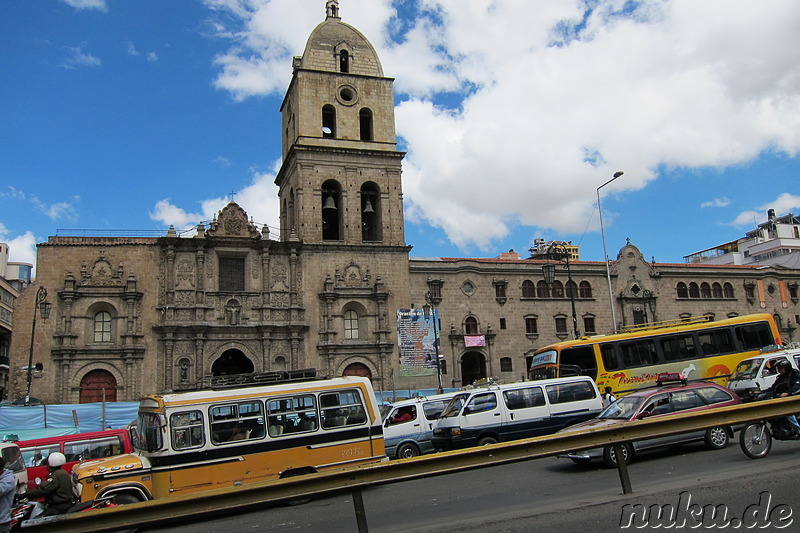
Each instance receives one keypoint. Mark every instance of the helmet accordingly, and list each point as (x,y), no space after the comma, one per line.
(56,459)
(782,364)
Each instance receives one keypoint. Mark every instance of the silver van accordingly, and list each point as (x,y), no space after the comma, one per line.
(498,413)
(408,425)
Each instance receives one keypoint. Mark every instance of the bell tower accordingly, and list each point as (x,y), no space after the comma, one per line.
(340,182)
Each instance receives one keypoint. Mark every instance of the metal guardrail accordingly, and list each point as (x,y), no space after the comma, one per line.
(258,495)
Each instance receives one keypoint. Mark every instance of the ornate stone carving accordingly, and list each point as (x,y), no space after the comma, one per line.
(232,222)
(101,273)
(184,273)
(352,277)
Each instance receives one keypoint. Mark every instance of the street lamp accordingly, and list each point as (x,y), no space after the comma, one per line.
(43,307)
(426,310)
(605,253)
(549,273)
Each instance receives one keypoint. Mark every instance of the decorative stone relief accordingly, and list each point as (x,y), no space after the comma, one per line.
(352,276)
(184,274)
(101,273)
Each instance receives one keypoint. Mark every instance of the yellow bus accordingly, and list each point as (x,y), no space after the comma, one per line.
(195,441)
(631,359)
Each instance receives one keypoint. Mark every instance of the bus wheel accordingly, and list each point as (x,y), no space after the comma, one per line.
(295,473)
(407,450)
(125,498)
(610,458)
(485,441)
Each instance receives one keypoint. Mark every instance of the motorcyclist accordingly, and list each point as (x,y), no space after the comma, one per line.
(56,489)
(786,384)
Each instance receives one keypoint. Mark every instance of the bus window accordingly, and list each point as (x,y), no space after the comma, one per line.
(580,356)
(678,348)
(148,432)
(187,430)
(715,341)
(84,450)
(609,354)
(638,353)
(754,336)
(297,414)
(341,409)
(236,421)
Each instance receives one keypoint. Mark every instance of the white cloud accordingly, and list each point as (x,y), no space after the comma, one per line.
(22,248)
(78,58)
(99,5)
(717,202)
(545,102)
(259,200)
(152,57)
(132,51)
(785,203)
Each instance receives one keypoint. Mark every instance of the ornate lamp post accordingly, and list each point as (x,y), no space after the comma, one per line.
(43,307)
(605,253)
(549,273)
(426,310)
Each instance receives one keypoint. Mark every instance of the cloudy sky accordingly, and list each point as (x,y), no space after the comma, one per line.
(135,116)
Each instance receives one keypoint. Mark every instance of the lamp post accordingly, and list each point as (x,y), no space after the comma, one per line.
(605,253)
(549,273)
(43,307)
(426,310)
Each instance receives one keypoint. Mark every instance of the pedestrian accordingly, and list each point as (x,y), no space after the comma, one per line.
(8,483)
(608,397)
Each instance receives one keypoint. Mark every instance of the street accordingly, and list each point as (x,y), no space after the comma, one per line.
(545,494)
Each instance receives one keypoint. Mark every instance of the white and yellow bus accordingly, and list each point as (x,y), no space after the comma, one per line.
(632,359)
(196,441)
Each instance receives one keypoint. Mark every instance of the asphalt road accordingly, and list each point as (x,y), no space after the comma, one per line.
(556,495)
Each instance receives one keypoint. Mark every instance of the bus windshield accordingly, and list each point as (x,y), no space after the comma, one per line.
(455,405)
(147,433)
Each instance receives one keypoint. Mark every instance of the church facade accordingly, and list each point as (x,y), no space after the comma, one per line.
(138,315)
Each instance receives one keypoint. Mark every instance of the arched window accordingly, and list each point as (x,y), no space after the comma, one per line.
(585,289)
(328,121)
(705,290)
(716,290)
(694,290)
(471,326)
(365,124)
(344,61)
(542,290)
(557,290)
(528,291)
(506,365)
(727,290)
(681,290)
(279,364)
(331,210)
(102,327)
(572,289)
(370,213)
(350,325)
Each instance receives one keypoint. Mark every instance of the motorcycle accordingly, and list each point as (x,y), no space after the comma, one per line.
(755,438)
(24,510)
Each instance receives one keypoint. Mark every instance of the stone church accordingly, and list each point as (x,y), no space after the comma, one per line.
(137,315)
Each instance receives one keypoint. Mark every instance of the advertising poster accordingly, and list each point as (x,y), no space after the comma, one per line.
(416,342)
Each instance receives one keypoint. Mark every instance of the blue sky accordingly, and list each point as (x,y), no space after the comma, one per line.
(121,115)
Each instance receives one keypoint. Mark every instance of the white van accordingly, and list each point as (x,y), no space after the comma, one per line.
(497,413)
(757,373)
(408,425)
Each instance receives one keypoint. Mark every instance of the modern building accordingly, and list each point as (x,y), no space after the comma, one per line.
(774,242)
(135,315)
(13,278)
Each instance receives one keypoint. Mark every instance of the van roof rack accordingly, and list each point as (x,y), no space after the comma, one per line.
(255,379)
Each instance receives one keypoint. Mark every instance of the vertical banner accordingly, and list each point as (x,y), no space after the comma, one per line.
(416,339)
